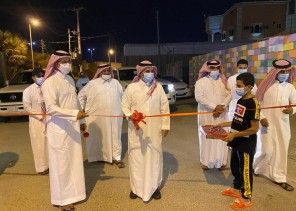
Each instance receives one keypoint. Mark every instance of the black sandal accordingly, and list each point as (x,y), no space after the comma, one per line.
(119,163)
(285,186)
(69,207)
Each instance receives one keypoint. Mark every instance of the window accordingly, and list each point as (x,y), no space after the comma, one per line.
(217,37)
(231,32)
(278,26)
(256,28)
(291,7)
(223,36)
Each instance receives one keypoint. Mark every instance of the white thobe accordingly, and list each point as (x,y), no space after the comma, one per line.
(100,97)
(209,93)
(67,184)
(272,146)
(144,145)
(32,104)
(234,96)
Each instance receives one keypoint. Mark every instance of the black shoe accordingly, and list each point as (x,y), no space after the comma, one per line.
(132,195)
(156,195)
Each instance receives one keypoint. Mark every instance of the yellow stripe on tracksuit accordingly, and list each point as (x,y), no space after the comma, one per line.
(246,175)
(257,111)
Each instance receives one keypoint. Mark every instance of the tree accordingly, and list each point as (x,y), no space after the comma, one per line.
(15,49)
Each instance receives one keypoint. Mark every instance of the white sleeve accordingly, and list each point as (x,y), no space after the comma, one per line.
(200,95)
(27,102)
(164,109)
(292,98)
(126,102)
(82,96)
(50,95)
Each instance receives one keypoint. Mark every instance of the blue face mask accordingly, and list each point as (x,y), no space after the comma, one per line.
(283,77)
(148,77)
(214,74)
(240,71)
(240,91)
(39,80)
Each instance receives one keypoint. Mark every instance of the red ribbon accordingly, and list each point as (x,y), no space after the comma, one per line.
(137,117)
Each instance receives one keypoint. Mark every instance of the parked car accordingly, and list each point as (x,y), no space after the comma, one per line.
(11,96)
(182,89)
(125,76)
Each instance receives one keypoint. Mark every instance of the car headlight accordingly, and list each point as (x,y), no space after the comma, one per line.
(171,87)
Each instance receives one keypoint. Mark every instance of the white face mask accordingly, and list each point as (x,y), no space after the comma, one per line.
(240,71)
(148,77)
(214,74)
(39,81)
(106,77)
(65,68)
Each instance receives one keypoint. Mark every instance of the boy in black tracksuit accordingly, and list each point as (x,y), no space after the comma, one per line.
(242,140)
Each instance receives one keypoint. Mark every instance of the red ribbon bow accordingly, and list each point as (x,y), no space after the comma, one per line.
(137,117)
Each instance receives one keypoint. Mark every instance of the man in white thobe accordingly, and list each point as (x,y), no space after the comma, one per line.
(32,100)
(213,95)
(273,141)
(146,96)
(242,67)
(102,96)
(67,183)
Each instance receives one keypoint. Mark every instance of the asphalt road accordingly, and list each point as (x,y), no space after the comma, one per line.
(185,186)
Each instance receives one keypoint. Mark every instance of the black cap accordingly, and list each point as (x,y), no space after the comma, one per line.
(38,72)
(213,62)
(281,64)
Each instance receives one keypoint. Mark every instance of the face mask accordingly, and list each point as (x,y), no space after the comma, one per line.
(65,68)
(283,77)
(106,77)
(240,71)
(39,80)
(214,74)
(148,77)
(240,91)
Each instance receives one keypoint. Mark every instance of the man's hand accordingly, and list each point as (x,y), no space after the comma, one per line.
(229,137)
(220,108)
(288,110)
(264,122)
(83,127)
(216,115)
(81,115)
(164,133)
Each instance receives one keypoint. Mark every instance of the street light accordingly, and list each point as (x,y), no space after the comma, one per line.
(110,51)
(91,50)
(34,22)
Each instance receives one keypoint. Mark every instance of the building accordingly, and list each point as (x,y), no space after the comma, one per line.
(251,21)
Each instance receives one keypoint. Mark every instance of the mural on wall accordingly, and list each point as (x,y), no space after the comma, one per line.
(259,55)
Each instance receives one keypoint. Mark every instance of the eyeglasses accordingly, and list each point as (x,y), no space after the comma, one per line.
(65,61)
(214,67)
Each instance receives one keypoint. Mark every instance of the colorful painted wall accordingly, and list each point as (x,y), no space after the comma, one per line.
(259,55)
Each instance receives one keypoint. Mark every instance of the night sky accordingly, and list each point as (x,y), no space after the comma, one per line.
(112,23)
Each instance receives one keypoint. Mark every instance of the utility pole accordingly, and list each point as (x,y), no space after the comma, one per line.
(78,27)
(77,9)
(158,43)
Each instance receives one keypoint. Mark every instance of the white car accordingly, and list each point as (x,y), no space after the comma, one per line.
(11,96)
(125,75)
(182,89)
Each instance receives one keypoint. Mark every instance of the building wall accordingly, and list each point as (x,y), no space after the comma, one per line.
(246,15)
(262,14)
(259,55)
(230,22)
